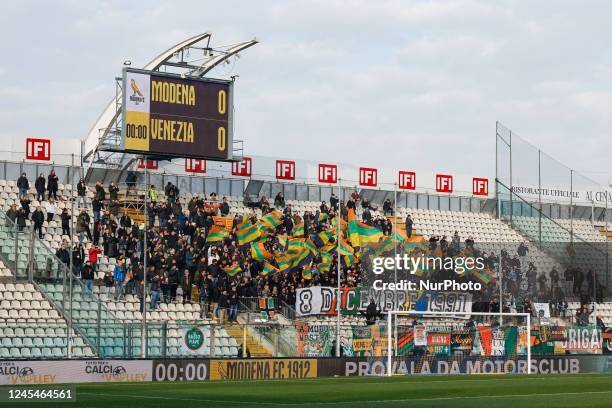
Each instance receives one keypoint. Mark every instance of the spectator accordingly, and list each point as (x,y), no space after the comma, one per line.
(113,191)
(38,218)
(12,214)
(65,217)
(52,185)
(155,281)
(24,185)
(83,221)
(186,284)
(225,208)
(233,304)
(152,193)
(119,274)
(279,201)
(63,254)
(22,216)
(88,274)
(51,209)
(40,185)
(92,255)
(223,306)
(100,193)
(96,205)
(171,192)
(387,207)
(82,194)
(333,202)
(408,226)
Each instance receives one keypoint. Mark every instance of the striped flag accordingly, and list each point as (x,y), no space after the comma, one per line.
(272,219)
(217,234)
(269,269)
(368,234)
(484,275)
(298,230)
(352,228)
(335,223)
(326,262)
(233,269)
(247,233)
(345,248)
(307,273)
(323,217)
(259,251)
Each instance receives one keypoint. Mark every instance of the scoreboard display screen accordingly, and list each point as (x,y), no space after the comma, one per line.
(167,115)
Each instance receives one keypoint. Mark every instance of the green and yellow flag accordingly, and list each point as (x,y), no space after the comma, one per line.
(217,234)
(345,248)
(246,233)
(353,232)
(269,269)
(326,262)
(298,230)
(368,234)
(307,273)
(259,252)
(272,219)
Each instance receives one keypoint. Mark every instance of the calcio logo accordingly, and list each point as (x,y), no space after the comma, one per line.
(137,97)
(194,338)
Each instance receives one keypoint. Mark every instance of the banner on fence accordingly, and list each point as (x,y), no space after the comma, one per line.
(262,369)
(321,300)
(74,371)
(195,340)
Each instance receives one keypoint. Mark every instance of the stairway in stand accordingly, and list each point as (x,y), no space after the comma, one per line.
(255,347)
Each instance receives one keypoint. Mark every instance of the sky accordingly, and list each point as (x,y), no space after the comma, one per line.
(405,84)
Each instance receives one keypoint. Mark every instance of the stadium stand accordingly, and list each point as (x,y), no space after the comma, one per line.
(24,304)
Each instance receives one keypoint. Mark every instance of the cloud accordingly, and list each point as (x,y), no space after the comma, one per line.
(392,82)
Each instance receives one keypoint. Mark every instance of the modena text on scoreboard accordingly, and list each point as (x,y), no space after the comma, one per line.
(167,115)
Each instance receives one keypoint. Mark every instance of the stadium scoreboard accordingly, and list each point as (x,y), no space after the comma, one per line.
(169,115)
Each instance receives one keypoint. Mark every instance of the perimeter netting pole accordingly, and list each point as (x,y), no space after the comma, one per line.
(389,364)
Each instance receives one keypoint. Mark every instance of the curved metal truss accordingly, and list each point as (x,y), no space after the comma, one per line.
(193,57)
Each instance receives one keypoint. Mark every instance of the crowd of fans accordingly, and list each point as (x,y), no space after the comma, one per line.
(182,266)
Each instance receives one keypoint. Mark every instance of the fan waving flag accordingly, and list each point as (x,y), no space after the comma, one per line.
(326,262)
(345,248)
(233,269)
(269,269)
(272,219)
(259,251)
(352,228)
(298,230)
(247,233)
(368,234)
(217,234)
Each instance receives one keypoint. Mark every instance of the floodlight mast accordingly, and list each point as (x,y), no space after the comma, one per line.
(391,313)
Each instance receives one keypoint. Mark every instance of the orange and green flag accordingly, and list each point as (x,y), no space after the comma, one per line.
(259,252)
(233,269)
(345,248)
(326,262)
(269,269)
(298,230)
(353,231)
(247,233)
(307,273)
(217,234)
(272,219)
